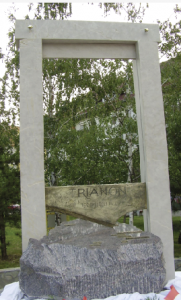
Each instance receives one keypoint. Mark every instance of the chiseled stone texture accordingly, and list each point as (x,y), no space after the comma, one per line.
(103,204)
(81,258)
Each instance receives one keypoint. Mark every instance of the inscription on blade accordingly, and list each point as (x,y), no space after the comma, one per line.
(103,204)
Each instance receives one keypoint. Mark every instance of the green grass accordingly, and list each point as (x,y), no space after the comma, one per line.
(13,237)
(14,248)
(138,221)
(176,231)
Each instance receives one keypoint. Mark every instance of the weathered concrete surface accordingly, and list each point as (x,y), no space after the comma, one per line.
(8,276)
(89,32)
(103,204)
(83,258)
(33,215)
(153,147)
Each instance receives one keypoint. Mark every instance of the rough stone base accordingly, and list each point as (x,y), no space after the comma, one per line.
(80,258)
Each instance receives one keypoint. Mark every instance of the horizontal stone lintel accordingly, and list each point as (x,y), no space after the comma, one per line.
(68,31)
(94,51)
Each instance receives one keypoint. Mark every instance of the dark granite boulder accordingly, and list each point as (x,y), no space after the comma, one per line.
(81,258)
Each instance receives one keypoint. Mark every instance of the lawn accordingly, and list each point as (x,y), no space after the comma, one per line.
(13,236)
(14,250)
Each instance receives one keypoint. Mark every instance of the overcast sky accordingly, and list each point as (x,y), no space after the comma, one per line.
(83,11)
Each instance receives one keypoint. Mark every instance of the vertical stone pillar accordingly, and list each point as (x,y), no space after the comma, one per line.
(31,141)
(153,147)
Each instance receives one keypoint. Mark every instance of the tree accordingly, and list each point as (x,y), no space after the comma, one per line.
(99,153)
(9,132)
(9,160)
(171,87)
(81,87)
(133,12)
(9,179)
(171,72)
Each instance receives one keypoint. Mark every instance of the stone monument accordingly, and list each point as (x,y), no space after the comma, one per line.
(81,258)
(39,39)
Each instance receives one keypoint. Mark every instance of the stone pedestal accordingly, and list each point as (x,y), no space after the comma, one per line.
(81,258)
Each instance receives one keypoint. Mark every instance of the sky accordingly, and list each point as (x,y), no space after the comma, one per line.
(82,11)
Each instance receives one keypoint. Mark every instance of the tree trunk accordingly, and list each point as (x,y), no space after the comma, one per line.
(179,238)
(3,237)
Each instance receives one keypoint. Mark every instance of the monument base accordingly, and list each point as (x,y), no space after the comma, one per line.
(81,258)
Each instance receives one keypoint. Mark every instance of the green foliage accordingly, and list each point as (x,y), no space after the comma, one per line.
(52,11)
(171,87)
(9,179)
(14,247)
(9,163)
(170,36)
(85,91)
(88,91)
(9,142)
(134,12)
(171,74)
(176,204)
(95,96)
(1,54)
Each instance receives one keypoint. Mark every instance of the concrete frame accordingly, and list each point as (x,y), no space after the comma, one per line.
(82,39)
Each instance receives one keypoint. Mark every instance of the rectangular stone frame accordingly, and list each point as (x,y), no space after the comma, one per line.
(82,39)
